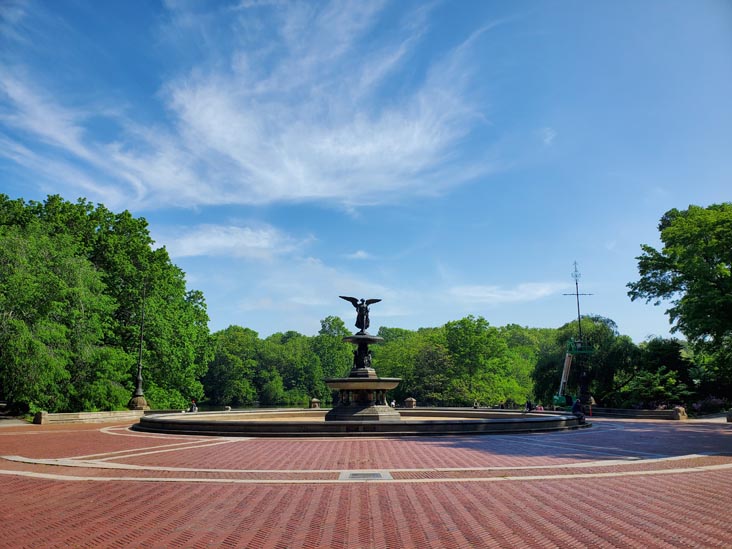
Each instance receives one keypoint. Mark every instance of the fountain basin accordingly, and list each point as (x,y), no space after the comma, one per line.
(311,423)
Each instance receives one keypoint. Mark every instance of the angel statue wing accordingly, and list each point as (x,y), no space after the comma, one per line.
(370,301)
(353,300)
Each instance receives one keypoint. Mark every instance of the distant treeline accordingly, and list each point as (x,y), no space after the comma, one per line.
(76,279)
(453,365)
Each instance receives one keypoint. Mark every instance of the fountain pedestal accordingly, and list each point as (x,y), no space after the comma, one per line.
(362,395)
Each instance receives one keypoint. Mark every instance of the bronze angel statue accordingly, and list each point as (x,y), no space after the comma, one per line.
(362,311)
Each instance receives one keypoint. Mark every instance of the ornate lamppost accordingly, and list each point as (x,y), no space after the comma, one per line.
(138,401)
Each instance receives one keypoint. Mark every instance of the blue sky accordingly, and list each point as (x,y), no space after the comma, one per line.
(451,158)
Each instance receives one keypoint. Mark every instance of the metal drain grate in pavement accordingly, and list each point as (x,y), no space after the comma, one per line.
(365,475)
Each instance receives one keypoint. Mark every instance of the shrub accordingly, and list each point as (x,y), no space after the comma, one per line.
(710,405)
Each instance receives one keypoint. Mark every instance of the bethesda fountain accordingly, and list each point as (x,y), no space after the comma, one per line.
(362,395)
(361,409)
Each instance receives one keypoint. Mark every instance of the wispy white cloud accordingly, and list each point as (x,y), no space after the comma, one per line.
(530,291)
(42,117)
(548,135)
(293,111)
(247,4)
(359,254)
(304,290)
(230,241)
(12,13)
(49,171)
(143,166)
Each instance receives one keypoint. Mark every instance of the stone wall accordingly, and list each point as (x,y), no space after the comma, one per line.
(676,413)
(46,418)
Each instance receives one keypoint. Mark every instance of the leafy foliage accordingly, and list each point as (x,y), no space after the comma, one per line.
(599,335)
(72,280)
(463,361)
(229,379)
(650,389)
(334,354)
(77,281)
(288,368)
(693,271)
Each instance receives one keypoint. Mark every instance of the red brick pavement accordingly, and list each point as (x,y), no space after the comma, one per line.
(610,486)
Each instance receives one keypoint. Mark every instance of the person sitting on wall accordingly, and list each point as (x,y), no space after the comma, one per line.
(578,410)
(193,408)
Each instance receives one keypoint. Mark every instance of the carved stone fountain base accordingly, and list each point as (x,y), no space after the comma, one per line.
(362,398)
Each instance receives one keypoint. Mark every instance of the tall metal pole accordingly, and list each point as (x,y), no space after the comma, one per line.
(138,401)
(576,275)
(579,343)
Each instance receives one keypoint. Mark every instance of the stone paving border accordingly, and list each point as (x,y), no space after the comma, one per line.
(621,484)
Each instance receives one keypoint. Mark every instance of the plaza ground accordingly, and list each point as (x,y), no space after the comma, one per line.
(621,483)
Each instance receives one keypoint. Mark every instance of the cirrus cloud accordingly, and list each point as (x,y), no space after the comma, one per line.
(291,105)
(229,240)
(529,291)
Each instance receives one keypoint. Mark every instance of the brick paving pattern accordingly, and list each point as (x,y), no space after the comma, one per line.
(622,483)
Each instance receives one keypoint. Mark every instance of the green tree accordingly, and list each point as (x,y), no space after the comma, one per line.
(335,355)
(651,388)
(619,364)
(398,358)
(524,346)
(272,390)
(333,326)
(481,362)
(230,375)
(290,358)
(693,272)
(53,313)
(393,334)
(611,363)
(109,259)
(432,374)
(657,353)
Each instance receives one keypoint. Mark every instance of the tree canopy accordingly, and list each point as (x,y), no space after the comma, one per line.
(693,271)
(72,281)
(76,280)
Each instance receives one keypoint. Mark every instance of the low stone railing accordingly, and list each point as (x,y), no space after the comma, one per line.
(46,418)
(675,413)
